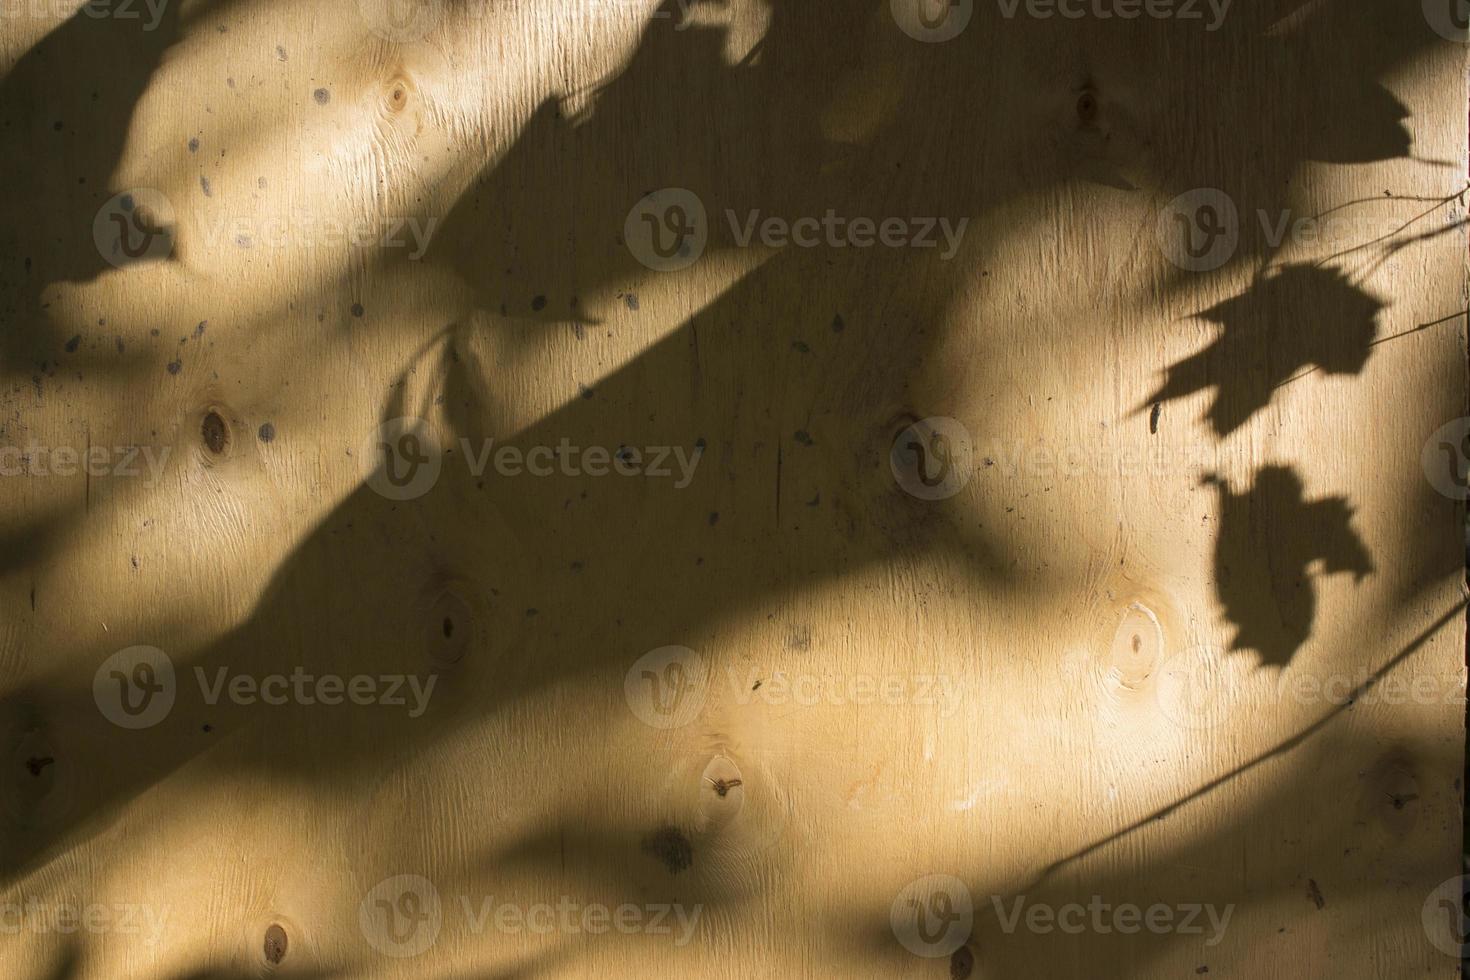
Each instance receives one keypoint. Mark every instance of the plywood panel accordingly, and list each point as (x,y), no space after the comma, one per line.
(771,489)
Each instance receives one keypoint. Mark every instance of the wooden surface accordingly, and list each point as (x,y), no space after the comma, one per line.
(1094,672)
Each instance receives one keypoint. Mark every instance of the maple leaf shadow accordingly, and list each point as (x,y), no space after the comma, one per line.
(1355,120)
(1269,541)
(1296,317)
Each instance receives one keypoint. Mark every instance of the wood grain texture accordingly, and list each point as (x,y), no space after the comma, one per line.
(1190,634)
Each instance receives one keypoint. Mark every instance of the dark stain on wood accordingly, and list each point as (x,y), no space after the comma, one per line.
(669,845)
(961,964)
(1086,107)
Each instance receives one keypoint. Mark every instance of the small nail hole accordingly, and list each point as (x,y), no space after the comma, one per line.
(449,628)
(1086,107)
